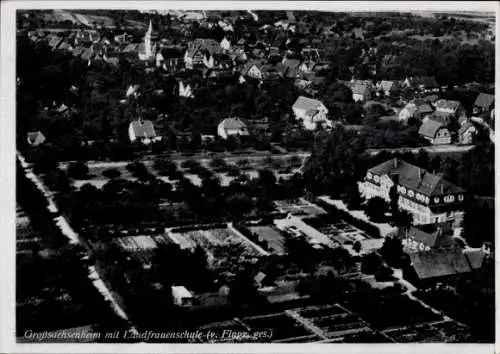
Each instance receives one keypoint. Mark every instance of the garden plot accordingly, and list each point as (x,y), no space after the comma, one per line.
(272,236)
(225,250)
(299,207)
(340,232)
(280,325)
(140,247)
(333,321)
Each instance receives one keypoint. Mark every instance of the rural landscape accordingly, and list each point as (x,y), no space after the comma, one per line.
(255,177)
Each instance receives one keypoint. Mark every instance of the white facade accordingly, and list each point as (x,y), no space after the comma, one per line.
(225,44)
(254,72)
(411,201)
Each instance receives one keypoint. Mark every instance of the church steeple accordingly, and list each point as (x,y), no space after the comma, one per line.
(147,41)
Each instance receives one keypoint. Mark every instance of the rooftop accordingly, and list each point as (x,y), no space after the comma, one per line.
(416,178)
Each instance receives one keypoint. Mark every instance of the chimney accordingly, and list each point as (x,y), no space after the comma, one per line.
(419,173)
(442,188)
(395,162)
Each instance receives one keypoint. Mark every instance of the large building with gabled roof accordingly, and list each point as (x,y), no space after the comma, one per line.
(428,197)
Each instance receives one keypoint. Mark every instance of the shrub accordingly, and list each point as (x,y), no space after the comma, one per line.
(111,173)
(78,170)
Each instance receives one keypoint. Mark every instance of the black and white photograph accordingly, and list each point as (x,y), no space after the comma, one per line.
(253,175)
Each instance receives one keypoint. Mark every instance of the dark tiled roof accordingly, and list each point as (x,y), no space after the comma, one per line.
(439,263)
(36,138)
(424,108)
(446,104)
(465,127)
(409,176)
(484,100)
(306,103)
(430,127)
(441,117)
(475,258)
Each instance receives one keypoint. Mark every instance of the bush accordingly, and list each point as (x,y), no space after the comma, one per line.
(376,208)
(165,167)
(111,173)
(218,164)
(138,170)
(78,170)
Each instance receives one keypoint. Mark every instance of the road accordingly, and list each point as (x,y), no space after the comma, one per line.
(74,238)
(437,149)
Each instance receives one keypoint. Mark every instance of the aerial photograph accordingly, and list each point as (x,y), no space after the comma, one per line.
(254,176)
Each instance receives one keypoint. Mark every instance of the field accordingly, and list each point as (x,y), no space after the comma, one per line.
(299,207)
(272,236)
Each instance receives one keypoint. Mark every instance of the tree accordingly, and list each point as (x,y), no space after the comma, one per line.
(165,167)
(376,208)
(352,197)
(218,164)
(78,170)
(243,163)
(139,171)
(357,246)
(111,173)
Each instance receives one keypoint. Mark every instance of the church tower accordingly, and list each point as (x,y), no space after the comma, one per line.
(147,41)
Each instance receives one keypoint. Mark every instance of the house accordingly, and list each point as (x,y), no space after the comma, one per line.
(198,50)
(54,41)
(389,88)
(426,237)
(143,131)
(312,112)
(253,69)
(132,90)
(422,83)
(78,51)
(225,44)
(87,37)
(181,296)
(65,46)
(434,131)
(444,118)
(35,138)
(232,127)
(185,90)
(360,92)
(428,197)
(484,103)
(448,106)
(428,267)
(416,109)
(466,133)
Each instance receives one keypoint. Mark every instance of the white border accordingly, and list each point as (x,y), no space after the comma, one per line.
(7,178)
